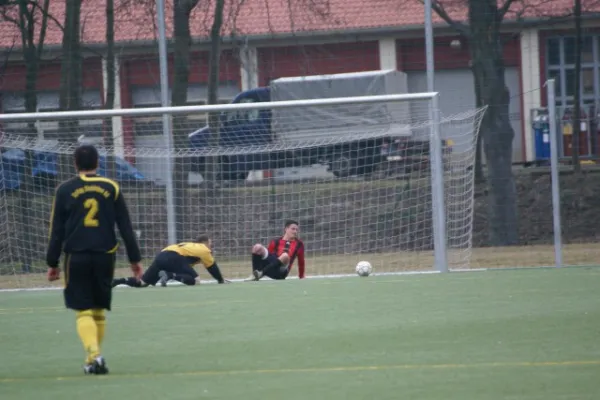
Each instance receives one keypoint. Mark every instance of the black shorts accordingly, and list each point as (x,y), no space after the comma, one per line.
(168,261)
(275,273)
(88,280)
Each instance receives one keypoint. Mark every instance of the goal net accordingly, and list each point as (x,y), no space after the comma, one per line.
(355,173)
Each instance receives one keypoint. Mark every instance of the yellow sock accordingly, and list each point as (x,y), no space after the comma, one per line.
(100,319)
(88,333)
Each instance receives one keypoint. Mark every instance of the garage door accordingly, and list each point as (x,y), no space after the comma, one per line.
(457,94)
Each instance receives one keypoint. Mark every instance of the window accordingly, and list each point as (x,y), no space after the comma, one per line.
(569,50)
(570,82)
(245,115)
(560,66)
(587,50)
(554,51)
(587,77)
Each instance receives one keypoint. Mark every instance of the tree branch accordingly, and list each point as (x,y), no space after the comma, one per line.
(22,26)
(441,11)
(42,35)
(8,18)
(46,13)
(503,10)
(268,10)
(4,65)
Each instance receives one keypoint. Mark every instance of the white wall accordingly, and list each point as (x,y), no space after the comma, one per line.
(532,93)
(117,122)
(457,94)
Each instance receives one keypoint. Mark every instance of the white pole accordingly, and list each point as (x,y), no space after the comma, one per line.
(166,120)
(429,46)
(554,173)
(437,189)
(436,161)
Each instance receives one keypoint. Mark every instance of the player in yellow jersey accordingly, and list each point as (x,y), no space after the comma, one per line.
(176,262)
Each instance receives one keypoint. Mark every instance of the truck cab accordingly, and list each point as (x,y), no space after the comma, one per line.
(240,127)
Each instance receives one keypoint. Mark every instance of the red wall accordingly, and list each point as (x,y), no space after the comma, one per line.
(144,70)
(278,62)
(13,78)
(411,54)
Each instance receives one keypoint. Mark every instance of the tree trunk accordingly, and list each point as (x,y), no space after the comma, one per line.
(32,52)
(212,167)
(71,64)
(31,75)
(486,49)
(26,187)
(479,175)
(183,40)
(109,104)
(215,56)
(576,120)
(70,81)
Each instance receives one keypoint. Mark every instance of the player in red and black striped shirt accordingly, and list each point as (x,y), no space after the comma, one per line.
(277,260)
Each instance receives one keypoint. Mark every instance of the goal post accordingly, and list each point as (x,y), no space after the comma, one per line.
(383,178)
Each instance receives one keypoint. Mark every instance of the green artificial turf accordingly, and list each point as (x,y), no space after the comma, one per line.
(529,334)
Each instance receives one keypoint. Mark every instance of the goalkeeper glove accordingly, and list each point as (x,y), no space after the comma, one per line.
(53,274)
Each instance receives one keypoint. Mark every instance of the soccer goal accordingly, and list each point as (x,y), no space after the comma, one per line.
(385,179)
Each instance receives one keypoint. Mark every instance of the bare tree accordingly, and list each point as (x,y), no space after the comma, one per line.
(182,10)
(485,18)
(28,17)
(70,79)
(478,169)
(214,67)
(71,66)
(110,55)
(485,44)
(110,85)
(5,62)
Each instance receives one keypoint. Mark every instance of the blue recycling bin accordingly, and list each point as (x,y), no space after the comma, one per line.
(541,132)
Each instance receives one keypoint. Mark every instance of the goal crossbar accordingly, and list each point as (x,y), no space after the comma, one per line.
(137,112)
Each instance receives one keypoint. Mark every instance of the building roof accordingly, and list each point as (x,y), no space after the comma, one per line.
(135,20)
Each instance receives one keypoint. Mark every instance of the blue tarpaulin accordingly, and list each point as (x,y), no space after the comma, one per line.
(45,165)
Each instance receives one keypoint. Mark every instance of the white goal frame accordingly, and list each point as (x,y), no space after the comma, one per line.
(435,143)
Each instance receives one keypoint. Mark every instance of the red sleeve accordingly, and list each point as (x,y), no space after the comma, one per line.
(301,263)
(271,247)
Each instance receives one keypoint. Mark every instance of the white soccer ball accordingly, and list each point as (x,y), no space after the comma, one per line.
(364,268)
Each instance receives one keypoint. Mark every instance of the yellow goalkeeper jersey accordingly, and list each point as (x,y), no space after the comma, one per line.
(194,252)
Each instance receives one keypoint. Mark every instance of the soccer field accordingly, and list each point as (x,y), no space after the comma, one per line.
(519,334)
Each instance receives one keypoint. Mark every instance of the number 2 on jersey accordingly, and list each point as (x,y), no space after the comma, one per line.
(90,220)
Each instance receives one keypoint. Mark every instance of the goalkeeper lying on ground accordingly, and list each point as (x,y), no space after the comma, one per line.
(277,260)
(176,262)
